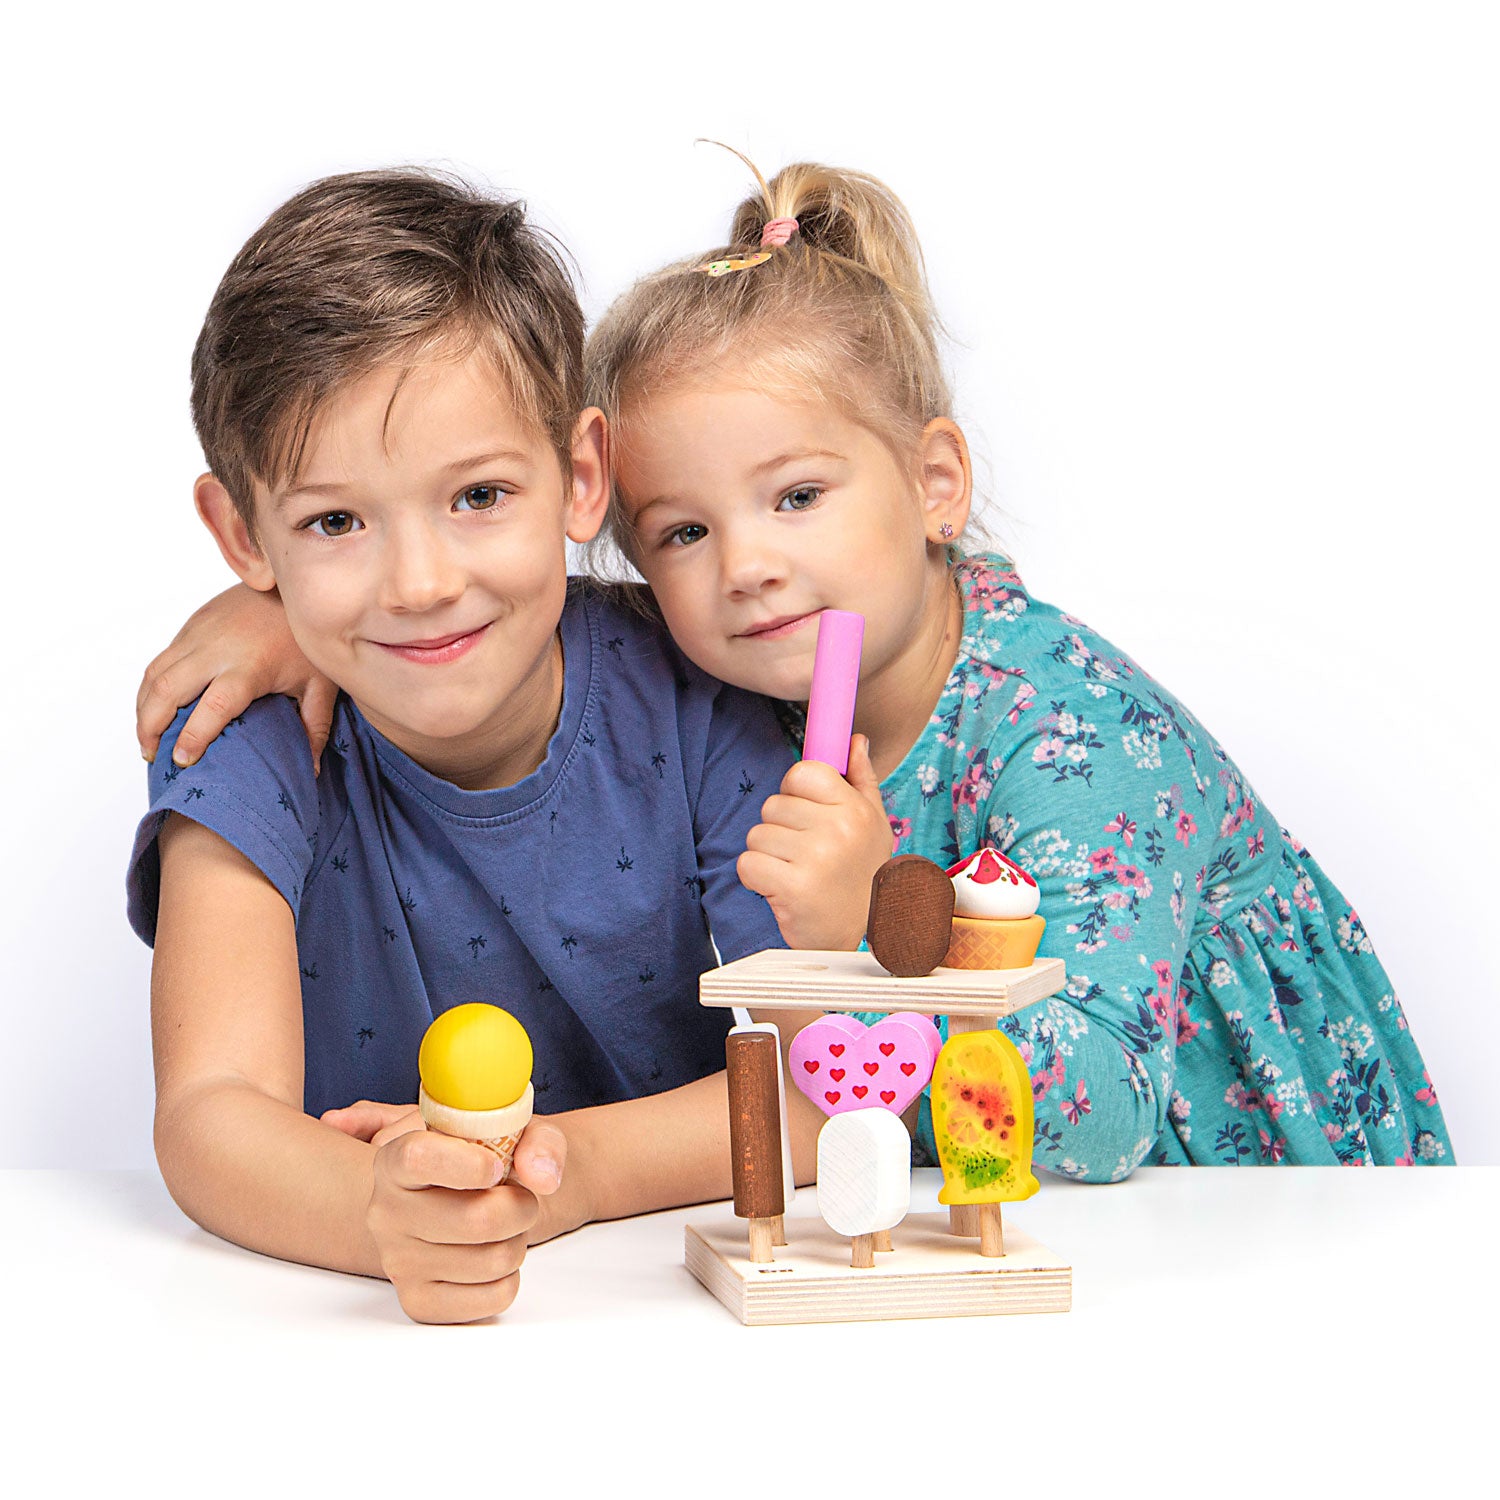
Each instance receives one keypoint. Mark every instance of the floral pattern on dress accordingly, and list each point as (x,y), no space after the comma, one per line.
(1223,1003)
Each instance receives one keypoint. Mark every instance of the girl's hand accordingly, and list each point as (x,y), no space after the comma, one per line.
(237,648)
(451,1241)
(816,849)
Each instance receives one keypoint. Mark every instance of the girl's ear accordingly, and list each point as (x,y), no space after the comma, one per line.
(229,530)
(590,498)
(946,480)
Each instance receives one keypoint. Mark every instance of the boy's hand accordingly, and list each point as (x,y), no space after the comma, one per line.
(237,648)
(816,849)
(450,1240)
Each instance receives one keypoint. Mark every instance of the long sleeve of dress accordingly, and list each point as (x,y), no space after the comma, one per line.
(1099,801)
(1224,1003)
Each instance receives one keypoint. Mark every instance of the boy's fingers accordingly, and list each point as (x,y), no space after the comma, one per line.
(366,1119)
(442,1302)
(540,1158)
(427,1158)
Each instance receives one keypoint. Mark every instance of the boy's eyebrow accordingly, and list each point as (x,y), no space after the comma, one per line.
(458,466)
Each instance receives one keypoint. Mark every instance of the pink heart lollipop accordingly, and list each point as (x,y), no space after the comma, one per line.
(841,1065)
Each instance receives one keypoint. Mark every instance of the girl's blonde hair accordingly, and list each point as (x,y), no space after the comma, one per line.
(841,313)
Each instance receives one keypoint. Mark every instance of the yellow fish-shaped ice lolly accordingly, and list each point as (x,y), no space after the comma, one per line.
(982,1120)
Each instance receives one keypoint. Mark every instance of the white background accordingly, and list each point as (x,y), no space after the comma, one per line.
(1223,289)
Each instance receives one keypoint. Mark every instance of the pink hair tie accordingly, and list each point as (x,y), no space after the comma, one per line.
(778,232)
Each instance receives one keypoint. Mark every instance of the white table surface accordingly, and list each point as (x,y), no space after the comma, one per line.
(1233,1331)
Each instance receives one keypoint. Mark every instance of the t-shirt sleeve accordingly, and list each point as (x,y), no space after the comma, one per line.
(1102,804)
(742,760)
(253,786)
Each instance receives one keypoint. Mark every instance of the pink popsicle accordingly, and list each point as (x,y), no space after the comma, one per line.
(830,704)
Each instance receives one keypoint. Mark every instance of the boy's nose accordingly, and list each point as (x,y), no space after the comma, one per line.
(420,573)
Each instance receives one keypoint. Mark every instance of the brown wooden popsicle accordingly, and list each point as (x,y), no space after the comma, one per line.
(755,1136)
(911,916)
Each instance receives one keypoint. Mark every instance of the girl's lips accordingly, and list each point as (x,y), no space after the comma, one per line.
(441,648)
(775,629)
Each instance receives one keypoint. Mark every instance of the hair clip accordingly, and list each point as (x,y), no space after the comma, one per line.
(734,263)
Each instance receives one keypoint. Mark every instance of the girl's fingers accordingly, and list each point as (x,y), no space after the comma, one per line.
(316,709)
(775,841)
(226,697)
(159,697)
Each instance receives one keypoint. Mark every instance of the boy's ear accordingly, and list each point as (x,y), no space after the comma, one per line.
(590,498)
(229,530)
(946,481)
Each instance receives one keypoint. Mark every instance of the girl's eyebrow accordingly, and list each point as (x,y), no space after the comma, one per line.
(795,455)
(769,466)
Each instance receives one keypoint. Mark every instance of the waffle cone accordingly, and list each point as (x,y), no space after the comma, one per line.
(497,1130)
(994,943)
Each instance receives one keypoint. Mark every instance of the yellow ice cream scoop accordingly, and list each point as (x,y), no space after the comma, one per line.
(475,1057)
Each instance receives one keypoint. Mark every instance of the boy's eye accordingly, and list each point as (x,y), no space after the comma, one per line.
(479,497)
(335,523)
(685,536)
(800,498)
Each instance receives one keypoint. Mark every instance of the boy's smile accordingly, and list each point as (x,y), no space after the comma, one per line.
(420,555)
(752,515)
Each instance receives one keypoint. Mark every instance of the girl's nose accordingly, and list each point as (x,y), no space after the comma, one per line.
(421,573)
(750,562)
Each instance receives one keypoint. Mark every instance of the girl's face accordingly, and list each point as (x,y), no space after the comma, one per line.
(754,514)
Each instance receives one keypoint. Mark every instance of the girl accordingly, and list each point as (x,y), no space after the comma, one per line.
(782,445)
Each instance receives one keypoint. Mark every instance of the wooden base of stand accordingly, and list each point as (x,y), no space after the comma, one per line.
(929,1273)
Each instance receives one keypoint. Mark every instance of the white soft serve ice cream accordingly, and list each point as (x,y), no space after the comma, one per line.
(991,887)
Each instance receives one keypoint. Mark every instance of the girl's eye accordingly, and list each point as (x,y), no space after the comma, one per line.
(801,498)
(685,536)
(479,497)
(335,523)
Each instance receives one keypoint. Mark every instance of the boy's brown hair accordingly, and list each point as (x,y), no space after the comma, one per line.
(370,268)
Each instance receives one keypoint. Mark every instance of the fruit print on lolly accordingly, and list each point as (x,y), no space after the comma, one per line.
(982,1120)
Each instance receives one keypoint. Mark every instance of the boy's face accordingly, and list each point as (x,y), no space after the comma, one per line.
(420,557)
(753,514)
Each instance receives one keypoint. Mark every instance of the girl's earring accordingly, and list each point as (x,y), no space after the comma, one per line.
(945,531)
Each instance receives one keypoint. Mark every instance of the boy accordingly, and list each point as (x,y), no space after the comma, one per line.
(528,796)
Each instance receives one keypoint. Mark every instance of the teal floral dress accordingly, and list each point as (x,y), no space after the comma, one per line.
(1223,1001)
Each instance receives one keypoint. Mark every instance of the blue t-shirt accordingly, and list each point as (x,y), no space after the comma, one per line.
(581,899)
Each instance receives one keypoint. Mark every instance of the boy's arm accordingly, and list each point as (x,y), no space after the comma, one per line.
(235,649)
(241,1158)
(663,1151)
